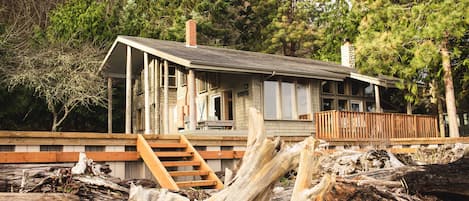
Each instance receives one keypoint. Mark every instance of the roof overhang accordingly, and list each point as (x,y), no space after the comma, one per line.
(384,81)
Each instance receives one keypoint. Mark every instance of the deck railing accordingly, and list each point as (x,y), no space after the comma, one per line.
(360,125)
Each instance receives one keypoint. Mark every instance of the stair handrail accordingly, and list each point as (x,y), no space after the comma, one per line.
(203,165)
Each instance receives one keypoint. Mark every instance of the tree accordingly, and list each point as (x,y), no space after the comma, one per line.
(290,32)
(336,22)
(63,77)
(410,40)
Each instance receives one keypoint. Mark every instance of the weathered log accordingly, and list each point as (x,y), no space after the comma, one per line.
(38,196)
(138,193)
(305,171)
(264,162)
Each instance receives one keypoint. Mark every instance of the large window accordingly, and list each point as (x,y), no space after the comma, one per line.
(270,99)
(288,90)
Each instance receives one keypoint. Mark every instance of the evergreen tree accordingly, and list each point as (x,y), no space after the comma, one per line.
(410,40)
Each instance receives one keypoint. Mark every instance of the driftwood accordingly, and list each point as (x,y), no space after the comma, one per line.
(138,193)
(264,163)
(90,183)
(306,169)
(38,196)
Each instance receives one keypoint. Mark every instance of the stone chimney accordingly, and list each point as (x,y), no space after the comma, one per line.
(347,52)
(191,33)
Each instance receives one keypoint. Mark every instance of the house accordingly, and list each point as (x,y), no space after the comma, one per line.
(184,87)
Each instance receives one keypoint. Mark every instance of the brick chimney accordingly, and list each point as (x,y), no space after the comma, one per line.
(347,52)
(191,33)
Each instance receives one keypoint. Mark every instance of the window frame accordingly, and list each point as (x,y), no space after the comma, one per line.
(293,104)
(170,76)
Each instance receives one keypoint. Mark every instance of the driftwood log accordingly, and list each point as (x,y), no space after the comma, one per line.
(264,163)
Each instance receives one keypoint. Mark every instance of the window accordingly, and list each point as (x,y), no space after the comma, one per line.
(51,148)
(302,99)
(201,82)
(327,104)
(171,75)
(343,105)
(89,148)
(182,78)
(370,107)
(369,90)
(326,87)
(7,148)
(340,88)
(213,80)
(287,89)
(357,88)
(270,99)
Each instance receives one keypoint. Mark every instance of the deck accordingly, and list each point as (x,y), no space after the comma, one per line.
(360,125)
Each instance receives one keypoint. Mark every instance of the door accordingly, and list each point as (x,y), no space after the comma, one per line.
(356,106)
(215,113)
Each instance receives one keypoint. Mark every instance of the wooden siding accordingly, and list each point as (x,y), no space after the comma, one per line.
(289,127)
(359,125)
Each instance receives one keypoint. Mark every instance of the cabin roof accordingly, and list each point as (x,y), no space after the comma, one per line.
(220,59)
(217,59)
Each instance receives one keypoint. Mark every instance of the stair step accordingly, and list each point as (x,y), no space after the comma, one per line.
(183,184)
(167,145)
(188,173)
(173,154)
(180,163)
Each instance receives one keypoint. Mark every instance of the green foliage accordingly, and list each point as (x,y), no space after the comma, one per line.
(290,32)
(403,39)
(335,23)
(81,20)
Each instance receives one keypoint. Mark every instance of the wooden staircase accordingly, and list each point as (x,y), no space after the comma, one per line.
(177,165)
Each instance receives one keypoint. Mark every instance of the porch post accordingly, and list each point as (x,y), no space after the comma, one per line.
(377,99)
(128,92)
(157,64)
(109,105)
(294,100)
(166,98)
(192,105)
(146,84)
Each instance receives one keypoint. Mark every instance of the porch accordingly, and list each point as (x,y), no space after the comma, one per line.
(335,124)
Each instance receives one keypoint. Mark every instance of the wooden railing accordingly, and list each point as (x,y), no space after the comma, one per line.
(359,125)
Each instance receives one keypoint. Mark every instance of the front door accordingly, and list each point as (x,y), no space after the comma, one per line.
(356,105)
(215,109)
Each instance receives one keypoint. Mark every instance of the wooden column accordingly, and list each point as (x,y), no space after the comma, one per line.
(109,105)
(157,65)
(192,95)
(128,92)
(294,100)
(377,99)
(279,100)
(146,93)
(151,71)
(166,99)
